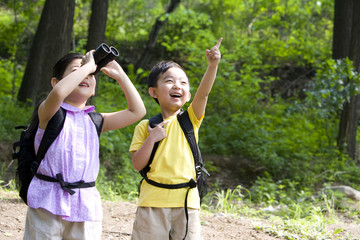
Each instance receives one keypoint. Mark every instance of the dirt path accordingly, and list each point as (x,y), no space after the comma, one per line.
(119,217)
(118,221)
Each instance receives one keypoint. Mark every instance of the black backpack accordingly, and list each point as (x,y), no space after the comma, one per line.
(28,161)
(187,127)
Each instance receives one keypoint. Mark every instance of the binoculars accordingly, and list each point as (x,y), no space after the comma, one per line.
(103,55)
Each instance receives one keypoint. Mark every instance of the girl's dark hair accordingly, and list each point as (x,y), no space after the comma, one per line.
(61,65)
(158,70)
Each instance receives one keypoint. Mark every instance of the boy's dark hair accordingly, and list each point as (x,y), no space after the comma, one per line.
(159,69)
(61,65)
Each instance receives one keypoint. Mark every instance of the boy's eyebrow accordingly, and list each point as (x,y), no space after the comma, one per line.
(172,76)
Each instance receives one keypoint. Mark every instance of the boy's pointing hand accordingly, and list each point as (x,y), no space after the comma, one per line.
(213,55)
(159,132)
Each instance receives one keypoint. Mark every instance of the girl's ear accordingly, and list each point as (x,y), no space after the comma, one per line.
(54,81)
(152,92)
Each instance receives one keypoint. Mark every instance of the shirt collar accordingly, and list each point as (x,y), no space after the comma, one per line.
(71,108)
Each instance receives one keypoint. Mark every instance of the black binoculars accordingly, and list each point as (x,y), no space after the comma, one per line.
(103,55)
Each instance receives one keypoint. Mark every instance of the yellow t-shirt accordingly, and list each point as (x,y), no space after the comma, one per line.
(173,163)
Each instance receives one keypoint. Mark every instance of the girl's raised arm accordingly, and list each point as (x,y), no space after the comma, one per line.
(76,71)
(136,109)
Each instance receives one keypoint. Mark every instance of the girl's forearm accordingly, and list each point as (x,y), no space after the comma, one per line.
(64,87)
(135,103)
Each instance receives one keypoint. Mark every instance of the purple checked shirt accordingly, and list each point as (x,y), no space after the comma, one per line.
(74,154)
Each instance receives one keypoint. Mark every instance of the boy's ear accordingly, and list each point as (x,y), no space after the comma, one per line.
(54,81)
(152,92)
(189,97)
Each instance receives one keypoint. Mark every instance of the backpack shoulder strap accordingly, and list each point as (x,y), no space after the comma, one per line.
(52,130)
(187,127)
(153,122)
(98,120)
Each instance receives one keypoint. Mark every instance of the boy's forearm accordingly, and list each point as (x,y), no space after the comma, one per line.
(201,96)
(207,81)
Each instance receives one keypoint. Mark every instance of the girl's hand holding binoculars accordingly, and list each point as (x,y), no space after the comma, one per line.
(113,70)
(89,59)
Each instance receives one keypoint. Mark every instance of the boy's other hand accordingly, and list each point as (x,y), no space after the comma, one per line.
(213,55)
(159,132)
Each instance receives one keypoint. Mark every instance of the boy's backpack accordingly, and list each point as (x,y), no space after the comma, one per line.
(187,127)
(24,152)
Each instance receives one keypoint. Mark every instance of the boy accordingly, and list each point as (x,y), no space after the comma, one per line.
(160,213)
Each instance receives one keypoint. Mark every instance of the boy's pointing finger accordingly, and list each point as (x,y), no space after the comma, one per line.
(162,124)
(219,42)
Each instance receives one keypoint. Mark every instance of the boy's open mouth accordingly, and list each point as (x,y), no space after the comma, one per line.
(175,95)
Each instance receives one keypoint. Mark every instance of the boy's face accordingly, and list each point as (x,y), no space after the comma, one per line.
(172,90)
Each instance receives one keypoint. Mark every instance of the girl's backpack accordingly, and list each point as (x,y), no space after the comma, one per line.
(24,152)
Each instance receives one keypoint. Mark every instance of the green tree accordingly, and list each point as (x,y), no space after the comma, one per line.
(52,40)
(346,43)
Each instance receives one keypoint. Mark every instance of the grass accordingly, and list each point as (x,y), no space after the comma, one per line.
(308,219)
(295,220)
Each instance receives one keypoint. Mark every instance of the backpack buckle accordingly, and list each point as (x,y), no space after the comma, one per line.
(192,183)
(200,169)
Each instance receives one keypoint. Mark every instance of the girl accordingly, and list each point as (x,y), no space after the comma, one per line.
(53,212)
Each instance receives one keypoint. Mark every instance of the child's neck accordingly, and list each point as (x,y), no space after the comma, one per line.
(75,104)
(166,113)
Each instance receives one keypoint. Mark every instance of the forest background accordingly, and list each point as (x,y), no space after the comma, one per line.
(273,131)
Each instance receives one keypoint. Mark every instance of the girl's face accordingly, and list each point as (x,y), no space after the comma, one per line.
(86,88)
(172,90)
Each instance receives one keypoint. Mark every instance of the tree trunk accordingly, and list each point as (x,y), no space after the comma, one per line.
(346,43)
(97,26)
(154,35)
(342,28)
(52,40)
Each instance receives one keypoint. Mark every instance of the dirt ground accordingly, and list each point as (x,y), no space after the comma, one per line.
(118,221)
(119,217)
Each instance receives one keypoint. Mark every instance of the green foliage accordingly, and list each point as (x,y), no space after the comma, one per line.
(290,143)
(12,115)
(293,141)
(335,83)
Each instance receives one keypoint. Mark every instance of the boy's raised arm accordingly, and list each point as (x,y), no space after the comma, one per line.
(200,99)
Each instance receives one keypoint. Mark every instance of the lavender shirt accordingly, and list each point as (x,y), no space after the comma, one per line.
(75,154)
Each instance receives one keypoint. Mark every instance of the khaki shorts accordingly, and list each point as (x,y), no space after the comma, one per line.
(166,223)
(42,225)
